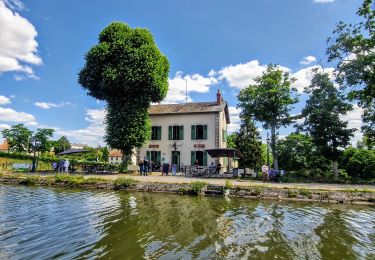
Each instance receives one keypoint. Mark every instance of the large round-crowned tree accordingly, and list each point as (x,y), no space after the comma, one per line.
(127,70)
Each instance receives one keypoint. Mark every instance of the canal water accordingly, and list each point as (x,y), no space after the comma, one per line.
(49,223)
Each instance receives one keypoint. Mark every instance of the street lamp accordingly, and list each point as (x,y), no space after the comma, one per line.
(36,144)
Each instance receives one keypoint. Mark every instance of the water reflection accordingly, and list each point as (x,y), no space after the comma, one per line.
(50,223)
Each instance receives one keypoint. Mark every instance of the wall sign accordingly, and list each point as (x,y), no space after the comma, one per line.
(199,146)
(153,146)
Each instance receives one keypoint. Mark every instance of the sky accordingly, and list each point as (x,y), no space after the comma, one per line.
(213,44)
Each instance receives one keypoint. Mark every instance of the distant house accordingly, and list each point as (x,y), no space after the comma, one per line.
(115,157)
(4,147)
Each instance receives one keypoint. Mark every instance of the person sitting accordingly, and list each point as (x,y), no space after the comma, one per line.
(218,168)
(212,168)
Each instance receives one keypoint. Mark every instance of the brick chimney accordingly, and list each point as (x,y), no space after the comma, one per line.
(219,99)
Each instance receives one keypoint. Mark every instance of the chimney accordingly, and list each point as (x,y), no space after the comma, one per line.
(219,99)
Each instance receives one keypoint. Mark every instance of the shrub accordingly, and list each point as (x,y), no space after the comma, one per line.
(28,180)
(228,185)
(304,192)
(123,183)
(197,186)
(292,193)
(69,179)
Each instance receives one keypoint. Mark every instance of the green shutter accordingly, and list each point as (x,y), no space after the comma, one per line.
(192,132)
(169,132)
(148,155)
(181,132)
(205,132)
(159,133)
(204,159)
(158,157)
(192,158)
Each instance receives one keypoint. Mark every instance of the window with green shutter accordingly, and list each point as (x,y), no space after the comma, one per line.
(156,133)
(148,155)
(204,159)
(176,132)
(192,158)
(192,132)
(199,132)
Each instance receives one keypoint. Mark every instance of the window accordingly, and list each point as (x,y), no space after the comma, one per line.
(198,132)
(154,156)
(201,156)
(176,132)
(156,133)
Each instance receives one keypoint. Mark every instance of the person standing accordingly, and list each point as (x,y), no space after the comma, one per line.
(66,165)
(61,166)
(140,167)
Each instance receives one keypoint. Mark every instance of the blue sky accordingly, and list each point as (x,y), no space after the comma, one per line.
(215,44)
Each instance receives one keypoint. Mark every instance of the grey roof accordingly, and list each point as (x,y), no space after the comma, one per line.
(200,107)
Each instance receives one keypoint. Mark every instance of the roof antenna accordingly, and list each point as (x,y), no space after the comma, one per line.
(186,97)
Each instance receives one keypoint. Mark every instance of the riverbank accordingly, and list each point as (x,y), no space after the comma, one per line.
(334,193)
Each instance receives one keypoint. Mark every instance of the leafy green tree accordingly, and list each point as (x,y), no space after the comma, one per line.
(322,118)
(269,101)
(128,71)
(231,140)
(353,47)
(247,141)
(18,137)
(61,145)
(105,154)
(359,163)
(298,152)
(42,138)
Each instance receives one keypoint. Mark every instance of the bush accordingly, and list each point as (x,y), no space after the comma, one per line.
(123,183)
(228,185)
(28,180)
(197,186)
(69,179)
(361,164)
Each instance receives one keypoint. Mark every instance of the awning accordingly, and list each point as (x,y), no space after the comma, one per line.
(224,152)
(71,151)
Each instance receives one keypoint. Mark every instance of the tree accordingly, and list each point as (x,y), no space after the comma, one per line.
(128,71)
(18,137)
(322,118)
(269,101)
(353,47)
(42,138)
(105,154)
(359,163)
(231,140)
(298,152)
(247,141)
(61,145)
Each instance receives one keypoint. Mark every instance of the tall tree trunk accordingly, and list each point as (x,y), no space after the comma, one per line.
(273,147)
(335,169)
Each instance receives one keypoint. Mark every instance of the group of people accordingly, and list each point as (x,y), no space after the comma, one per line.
(145,167)
(214,168)
(269,174)
(61,166)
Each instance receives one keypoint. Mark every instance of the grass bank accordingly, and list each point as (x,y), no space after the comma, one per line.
(194,188)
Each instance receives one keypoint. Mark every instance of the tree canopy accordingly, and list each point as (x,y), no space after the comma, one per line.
(18,138)
(42,138)
(322,117)
(353,47)
(128,71)
(269,101)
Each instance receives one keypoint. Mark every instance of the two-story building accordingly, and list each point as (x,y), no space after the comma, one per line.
(181,132)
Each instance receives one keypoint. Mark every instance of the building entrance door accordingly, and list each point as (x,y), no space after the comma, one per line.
(176,159)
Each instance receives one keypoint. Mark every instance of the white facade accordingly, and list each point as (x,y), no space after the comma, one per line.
(214,117)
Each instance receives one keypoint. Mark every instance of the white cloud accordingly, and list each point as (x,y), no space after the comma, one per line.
(323,1)
(49,105)
(10,115)
(195,83)
(92,134)
(18,47)
(308,60)
(4,100)
(235,121)
(304,76)
(4,126)
(354,119)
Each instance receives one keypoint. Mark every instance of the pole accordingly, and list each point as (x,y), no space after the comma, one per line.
(268,150)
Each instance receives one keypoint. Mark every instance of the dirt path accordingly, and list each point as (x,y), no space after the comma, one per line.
(182,179)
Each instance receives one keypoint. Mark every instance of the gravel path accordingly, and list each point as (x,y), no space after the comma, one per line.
(182,179)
